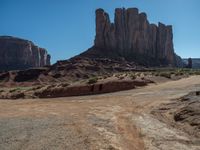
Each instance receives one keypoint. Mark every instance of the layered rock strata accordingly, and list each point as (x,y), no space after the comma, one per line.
(16,54)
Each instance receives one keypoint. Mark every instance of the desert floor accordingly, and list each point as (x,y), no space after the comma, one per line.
(114,121)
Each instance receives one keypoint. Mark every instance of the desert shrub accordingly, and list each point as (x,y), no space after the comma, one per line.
(151,73)
(197,72)
(109,75)
(191,73)
(92,80)
(19,89)
(133,76)
(165,74)
(13,90)
(145,74)
(100,78)
(104,77)
(17,95)
(121,77)
(65,84)
(156,74)
(138,74)
(179,73)
(117,75)
(172,72)
(176,73)
(36,87)
(57,75)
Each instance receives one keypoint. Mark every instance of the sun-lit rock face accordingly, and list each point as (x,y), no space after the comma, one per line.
(132,37)
(16,54)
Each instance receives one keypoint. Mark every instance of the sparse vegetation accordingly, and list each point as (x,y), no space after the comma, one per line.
(197,72)
(36,87)
(121,77)
(92,80)
(138,73)
(104,77)
(169,73)
(178,73)
(156,74)
(65,84)
(165,74)
(19,89)
(133,76)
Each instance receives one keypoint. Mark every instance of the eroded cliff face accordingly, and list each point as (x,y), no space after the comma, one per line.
(132,37)
(16,54)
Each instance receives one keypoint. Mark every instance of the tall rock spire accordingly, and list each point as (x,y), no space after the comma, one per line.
(132,37)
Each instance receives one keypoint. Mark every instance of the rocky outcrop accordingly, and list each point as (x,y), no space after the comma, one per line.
(65,89)
(86,89)
(182,113)
(132,37)
(16,54)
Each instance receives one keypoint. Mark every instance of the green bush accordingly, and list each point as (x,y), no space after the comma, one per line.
(19,89)
(165,74)
(92,80)
(133,76)
(179,73)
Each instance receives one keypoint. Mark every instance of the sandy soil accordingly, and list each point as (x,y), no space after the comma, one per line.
(114,121)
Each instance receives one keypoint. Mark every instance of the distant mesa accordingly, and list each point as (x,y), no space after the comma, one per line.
(133,38)
(18,54)
(192,62)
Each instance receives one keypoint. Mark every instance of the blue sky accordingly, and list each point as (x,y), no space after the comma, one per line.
(67,27)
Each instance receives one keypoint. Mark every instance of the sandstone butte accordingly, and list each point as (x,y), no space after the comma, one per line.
(17,54)
(133,38)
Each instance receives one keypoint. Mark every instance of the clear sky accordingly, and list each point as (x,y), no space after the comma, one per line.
(67,27)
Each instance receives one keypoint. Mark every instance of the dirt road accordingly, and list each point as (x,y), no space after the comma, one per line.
(116,121)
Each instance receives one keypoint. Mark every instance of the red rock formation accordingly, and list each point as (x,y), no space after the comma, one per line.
(132,37)
(17,54)
(113,86)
